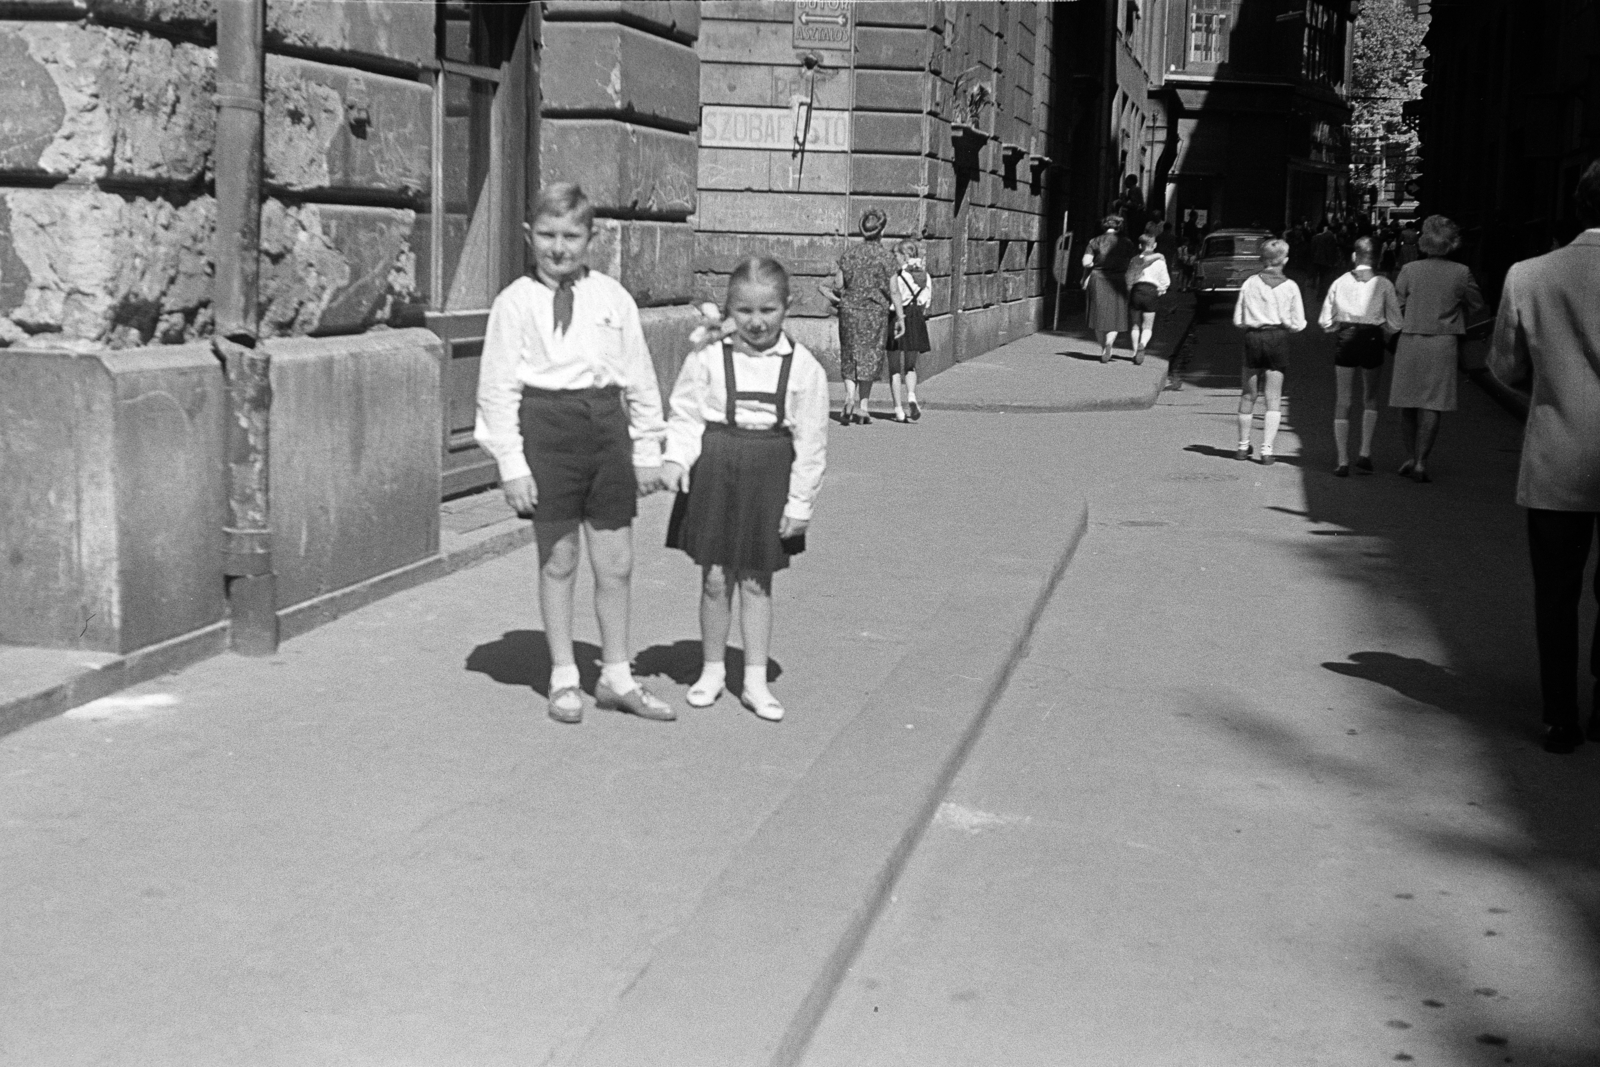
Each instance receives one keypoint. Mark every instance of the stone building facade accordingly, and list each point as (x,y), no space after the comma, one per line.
(1510,116)
(403,143)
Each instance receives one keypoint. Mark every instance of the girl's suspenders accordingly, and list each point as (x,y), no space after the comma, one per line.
(778,400)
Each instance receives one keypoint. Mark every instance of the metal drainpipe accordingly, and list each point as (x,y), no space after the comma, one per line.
(247,552)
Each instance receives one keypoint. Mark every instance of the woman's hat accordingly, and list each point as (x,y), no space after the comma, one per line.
(1111,222)
(874,221)
(1440,236)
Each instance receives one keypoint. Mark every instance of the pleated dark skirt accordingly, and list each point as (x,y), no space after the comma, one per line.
(915,339)
(737,490)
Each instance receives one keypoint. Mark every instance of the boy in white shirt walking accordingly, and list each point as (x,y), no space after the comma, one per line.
(1269,310)
(569,408)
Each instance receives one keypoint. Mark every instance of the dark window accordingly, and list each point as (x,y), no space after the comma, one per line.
(1322,59)
(1231,246)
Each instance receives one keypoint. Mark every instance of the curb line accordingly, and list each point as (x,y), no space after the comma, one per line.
(749,975)
(186,650)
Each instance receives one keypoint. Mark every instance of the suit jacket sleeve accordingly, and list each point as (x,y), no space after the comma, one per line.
(1508,357)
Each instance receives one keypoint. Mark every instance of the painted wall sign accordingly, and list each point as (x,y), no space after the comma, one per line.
(824,24)
(771,128)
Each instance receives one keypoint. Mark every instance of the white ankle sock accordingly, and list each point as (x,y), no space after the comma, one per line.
(1244,430)
(755,680)
(1270,429)
(713,676)
(1341,440)
(618,677)
(1369,426)
(564,676)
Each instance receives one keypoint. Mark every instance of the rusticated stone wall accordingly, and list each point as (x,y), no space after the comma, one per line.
(978,205)
(106,134)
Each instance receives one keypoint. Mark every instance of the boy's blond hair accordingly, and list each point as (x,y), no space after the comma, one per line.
(564,198)
(1275,253)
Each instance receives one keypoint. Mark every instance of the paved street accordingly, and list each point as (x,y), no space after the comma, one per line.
(1263,791)
(1266,789)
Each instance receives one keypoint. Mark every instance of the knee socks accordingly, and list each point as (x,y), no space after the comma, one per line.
(1369,426)
(1341,440)
(618,677)
(564,676)
(1270,429)
(1244,430)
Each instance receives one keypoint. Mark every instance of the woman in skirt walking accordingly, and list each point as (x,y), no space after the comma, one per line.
(1105,263)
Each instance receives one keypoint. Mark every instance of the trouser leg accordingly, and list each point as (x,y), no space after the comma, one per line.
(1558,545)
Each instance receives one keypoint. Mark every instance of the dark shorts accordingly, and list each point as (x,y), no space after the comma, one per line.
(1142,298)
(1359,346)
(578,446)
(901,361)
(1266,349)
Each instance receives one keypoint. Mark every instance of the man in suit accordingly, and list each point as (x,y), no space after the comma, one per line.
(1547,340)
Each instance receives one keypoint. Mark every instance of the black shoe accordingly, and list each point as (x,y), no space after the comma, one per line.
(863,420)
(1563,739)
(1105,357)
(1342,471)
(1267,458)
(1138,358)
(1243,453)
(915,409)
(1364,464)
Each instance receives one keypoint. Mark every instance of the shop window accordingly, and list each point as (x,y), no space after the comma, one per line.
(1322,57)
(1210,22)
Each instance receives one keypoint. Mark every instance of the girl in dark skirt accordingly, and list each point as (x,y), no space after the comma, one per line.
(746,448)
(911,284)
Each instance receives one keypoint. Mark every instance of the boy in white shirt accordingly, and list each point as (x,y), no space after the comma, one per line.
(1269,310)
(569,408)
(1363,310)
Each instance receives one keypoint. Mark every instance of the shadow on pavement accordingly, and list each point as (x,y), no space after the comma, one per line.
(522,657)
(1452,555)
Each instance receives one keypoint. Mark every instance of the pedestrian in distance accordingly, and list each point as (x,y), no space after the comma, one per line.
(1547,339)
(746,449)
(1362,311)
(569,409)
(1438,298)
(863,292)
(1325,258)
(1269,311)
(1147,280)
(911,285)
(1105,266)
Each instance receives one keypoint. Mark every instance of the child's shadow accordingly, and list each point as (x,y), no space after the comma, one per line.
(1213,451)
(522,657)
(680,661)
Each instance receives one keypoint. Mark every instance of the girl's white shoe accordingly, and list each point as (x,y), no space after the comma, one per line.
(703,694)
(765,705)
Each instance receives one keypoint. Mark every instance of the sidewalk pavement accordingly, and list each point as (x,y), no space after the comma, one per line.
(373,848)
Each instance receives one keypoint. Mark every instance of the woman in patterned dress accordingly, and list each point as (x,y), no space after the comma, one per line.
(863,292)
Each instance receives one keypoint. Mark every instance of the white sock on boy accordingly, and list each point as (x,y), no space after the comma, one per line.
(564,676)
(618,677)
(1270,431)
(755,681)
(1244,432)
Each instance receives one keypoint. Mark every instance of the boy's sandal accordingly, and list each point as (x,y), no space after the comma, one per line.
(766,707)
(636,701)
(566,705)
(698,697)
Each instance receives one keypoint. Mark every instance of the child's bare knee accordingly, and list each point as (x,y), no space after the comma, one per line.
(714,582)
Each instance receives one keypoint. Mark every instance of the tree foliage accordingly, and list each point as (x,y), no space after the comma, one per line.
(1386,72)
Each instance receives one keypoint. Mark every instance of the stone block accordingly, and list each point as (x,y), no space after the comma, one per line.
(907,214)
(1014,285)
(678,19)
(982,256)
(98,270)
(893,90)
(355,458)
(810,256)
(666,331)
(805,298)
(817,172)
(939,219)
(626,169)
(936,252)
(748,10)
(653,260)
(798,213)
(111,469)
(941,353)
(742,41)
(333,128)
(766,85)
(735,168)
(889,175)
(939,295)
(329,268)
(603,67)
(93,102)
(1015,256)
(819,335)
(919,14)
(888,132)
(895,48)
